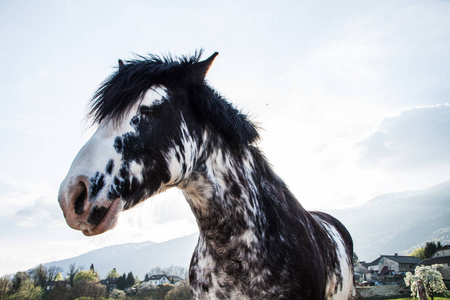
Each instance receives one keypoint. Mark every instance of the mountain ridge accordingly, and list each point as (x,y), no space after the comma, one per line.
(398,222)
(138,258)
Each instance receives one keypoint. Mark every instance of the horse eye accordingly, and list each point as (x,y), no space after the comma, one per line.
(154,110)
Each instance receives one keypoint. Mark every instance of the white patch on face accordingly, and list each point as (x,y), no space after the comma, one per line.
(154,95)
(99,149)
(136,170)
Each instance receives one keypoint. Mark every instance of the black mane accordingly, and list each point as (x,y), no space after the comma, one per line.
(122,89)
(117,94)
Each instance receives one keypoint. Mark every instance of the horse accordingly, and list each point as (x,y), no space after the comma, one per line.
(160,125)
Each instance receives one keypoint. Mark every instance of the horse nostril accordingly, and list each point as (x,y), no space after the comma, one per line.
(80,198)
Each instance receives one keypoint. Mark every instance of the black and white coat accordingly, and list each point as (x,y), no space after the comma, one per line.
(162,126)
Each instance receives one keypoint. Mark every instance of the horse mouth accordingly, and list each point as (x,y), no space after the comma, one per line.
(109,221)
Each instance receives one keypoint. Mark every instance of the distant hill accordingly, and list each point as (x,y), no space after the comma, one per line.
(398,222)
(388,224)
(136,257)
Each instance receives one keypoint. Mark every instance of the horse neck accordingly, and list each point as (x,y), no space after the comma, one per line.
(230,194)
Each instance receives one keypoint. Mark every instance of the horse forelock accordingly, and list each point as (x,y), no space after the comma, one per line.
(128,84)
(133,78)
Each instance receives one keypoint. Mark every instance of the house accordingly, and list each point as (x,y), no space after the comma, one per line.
(359,269)
(156,280)
(176,280)
(443,251)
(52,284)
(393,264)
(110,283)
(441,257)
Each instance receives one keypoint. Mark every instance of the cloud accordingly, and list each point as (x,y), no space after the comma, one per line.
(29,204)
(416,138)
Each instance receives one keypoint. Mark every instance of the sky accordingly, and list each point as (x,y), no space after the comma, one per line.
(352,97)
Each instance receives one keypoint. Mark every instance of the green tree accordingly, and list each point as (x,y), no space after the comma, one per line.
(181,292)
(117,294)
(113,274)
(27,290)
(430,248)
(73,270)
(419,253)
(130,279)
(161,291)
(59,277)
(60,292)
(18,280)
(52,272)
(122,282)
(430,277)
(40,276)
(88,276)
(92,290)
(4,287)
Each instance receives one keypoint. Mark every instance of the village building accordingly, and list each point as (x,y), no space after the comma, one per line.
(440,257)
(393,264)
(156,280)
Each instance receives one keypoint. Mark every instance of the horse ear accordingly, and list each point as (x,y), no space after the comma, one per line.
(201,68)
(121,64)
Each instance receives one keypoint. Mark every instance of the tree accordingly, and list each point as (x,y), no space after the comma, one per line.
(355,258)
(60,292)
(73,270)
(429,276)
(130,280)
(88,276)
(117,294)
(430,248)
(59,277)
(113,274)
(52,272)
(181,292)
(4,287)
(161,291)
(93,290)
(26,290)
(122,282)
(40,276)
(419,253)
(18,280)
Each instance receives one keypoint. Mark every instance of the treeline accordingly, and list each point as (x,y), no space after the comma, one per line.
(49,283)
(427,251)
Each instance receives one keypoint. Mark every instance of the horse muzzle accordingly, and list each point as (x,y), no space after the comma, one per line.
(91,217)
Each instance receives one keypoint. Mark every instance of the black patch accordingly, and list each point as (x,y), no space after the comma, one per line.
(109,167)
(96,184)
(79,202)
(118,144)
(97,214)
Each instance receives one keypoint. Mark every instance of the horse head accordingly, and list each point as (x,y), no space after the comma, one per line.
(145,142)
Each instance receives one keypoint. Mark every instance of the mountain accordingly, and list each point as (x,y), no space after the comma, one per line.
(398,222)
(136,257)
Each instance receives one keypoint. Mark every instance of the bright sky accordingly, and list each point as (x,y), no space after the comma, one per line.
(353,98)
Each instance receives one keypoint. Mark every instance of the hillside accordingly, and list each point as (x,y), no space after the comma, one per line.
(398,222)
(136,257)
